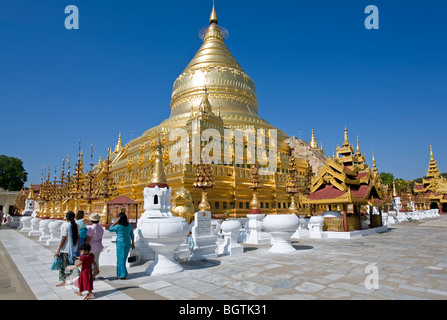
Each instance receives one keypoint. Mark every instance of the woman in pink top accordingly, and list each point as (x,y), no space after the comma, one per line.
(94,238)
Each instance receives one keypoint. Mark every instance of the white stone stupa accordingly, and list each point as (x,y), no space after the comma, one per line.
(162,231)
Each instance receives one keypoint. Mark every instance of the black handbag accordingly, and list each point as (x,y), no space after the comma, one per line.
(132,256)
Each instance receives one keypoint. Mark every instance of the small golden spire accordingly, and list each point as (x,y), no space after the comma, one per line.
(431,153)
(205,106)
(346,142)
(374,164)
(313,141)
(213,17)
(31,192)
(292,184)
(255,181)
(358,146)
(119,145)
(158,175)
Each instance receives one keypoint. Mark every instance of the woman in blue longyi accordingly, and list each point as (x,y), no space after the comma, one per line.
(124,241)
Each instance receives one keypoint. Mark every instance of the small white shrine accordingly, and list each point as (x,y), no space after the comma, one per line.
(157,227)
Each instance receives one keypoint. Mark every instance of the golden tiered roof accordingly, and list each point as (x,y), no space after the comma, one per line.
(433,186)
(433,170)
(346,179)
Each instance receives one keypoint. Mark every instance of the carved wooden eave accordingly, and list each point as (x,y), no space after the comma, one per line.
(346,198)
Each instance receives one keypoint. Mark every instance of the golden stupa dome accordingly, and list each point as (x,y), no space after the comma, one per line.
(231,92)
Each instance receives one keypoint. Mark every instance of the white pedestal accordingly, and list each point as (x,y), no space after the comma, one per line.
(300,234)
(35,227)
(315,226)
(15,223)
(164,262)
(45,230)
(204,248)
(26,224)
(281,227)
(230,232)
(144,252)
(182,252)
(203,237)
(255,233)
(164,235)
(55,232)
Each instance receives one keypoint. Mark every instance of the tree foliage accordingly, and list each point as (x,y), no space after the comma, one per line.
(403,186)
(387,178)
(12,174)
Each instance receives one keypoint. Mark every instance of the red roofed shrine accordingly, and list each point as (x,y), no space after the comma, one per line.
(346,181)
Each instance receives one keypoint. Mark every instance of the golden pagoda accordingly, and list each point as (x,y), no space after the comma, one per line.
(213,94)
(213,91)
(292,185)
(432,192)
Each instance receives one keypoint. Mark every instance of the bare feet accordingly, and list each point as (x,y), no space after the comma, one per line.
(61,284)
(79,294)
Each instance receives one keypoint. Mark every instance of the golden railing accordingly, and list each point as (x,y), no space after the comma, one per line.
(353,223)
(336,223)
(376,221)
(333,224)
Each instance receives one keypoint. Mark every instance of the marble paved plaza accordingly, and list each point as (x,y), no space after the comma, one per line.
(410,260)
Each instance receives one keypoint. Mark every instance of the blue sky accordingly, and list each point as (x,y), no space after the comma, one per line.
(314,64)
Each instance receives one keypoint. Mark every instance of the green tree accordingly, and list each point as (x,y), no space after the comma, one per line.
(12,174)
(387,178)
(402,185)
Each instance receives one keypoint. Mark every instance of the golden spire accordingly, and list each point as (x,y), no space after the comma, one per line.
(292,184)
(31,192)
(231,89)
(205,106)
(374,164)
(346,142)
(358,146)
(158,175)
(433,170)
(255,181)
(119,145)
(313,141)
(213,17)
